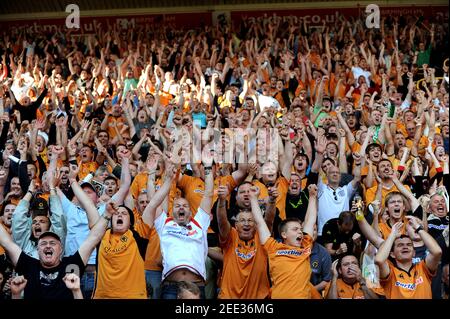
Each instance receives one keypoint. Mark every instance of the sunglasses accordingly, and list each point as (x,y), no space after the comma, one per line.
(334,194)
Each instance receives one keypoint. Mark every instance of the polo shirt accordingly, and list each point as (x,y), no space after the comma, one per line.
(332,202)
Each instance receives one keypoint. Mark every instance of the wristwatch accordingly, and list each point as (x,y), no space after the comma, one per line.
(418,229)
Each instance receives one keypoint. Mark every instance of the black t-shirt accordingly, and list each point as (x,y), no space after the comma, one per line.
(331,234)
(436,225)
(296,206)
(47,283)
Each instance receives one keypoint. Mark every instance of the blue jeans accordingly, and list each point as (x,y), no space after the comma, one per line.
(170,290)
(87,283)
(153,281)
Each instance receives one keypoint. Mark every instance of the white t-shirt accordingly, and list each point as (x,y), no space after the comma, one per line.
(357,72)
(267,101)
(184,246)
(332,202)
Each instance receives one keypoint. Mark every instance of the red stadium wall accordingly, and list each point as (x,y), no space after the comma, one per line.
(192,20)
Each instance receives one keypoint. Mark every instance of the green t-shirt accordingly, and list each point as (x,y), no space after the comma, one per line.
(424,57)
(320,116)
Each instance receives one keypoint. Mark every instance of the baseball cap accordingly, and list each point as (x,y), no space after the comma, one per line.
(51,234)
(39,206)
(88,185)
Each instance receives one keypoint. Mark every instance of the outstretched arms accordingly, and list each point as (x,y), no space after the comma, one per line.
(150,213)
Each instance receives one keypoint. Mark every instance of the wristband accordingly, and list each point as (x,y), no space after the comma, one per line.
(439,170)
(418,229)
(400,168)
(208,169)
(73,162)
(107,218)
(31,193)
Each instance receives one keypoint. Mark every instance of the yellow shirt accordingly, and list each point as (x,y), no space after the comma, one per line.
(120,273)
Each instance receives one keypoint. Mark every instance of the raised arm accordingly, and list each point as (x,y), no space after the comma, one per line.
(412,199)
(125,177)
(221,212)
(97,232)
(332,292)
(434,251)
(287,159)
(263,230)
(357,170)
(83,199)
(10,246)
(240,174)
(370,233)
(150,213)
(385,249)
(206,202)
(311,212)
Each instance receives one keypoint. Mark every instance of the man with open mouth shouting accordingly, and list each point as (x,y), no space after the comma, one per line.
(290,270)
(184,245)
(45,277)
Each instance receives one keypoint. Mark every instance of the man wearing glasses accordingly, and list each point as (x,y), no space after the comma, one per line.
(334,199)
(244,274)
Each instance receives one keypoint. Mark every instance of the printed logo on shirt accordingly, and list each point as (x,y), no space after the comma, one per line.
(47,279)
(246,256)
(293,252)
(438,227)
(410,286)
(180,233)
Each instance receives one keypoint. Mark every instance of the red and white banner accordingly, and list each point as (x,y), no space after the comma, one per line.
(197,19)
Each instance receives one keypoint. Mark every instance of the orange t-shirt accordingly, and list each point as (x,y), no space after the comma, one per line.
(401,284)
(139,184)
(385,228)
(194,187)
(433,171)
(301,86)
(289,269)
(120,123)
(346,291)
(423,143)
(153,257)
(283,187)
(86,168)
(371,193)
(333,84)
(244,274)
